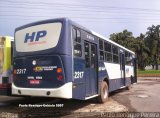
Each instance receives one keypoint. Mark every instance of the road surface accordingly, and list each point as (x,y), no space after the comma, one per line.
(143,96)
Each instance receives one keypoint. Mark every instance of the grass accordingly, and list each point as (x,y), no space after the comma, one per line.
(149,73)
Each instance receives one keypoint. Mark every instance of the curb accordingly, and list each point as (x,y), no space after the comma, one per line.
(148,75)
(149,78)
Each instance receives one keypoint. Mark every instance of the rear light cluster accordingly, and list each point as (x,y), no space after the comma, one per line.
(14,74)
(59,72)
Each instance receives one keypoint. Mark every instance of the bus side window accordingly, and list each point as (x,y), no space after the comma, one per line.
(100,44)
(93,56)
(101,55)
(87,55)
(101,52)
(115,54)
(128,58)
(108,52)
(76,35)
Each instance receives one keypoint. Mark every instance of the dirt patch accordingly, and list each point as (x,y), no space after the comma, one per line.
(72,108)
(98,109)
(110,106)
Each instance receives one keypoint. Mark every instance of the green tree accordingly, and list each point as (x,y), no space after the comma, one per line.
(153,42)
(124,38)
(137,45)
(142,52)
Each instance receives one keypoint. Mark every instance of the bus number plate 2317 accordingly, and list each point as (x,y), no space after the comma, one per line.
(78,75)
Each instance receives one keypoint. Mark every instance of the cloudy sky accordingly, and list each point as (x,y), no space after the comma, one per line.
(102,16)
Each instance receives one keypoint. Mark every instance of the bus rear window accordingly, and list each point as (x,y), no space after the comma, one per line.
(38,38)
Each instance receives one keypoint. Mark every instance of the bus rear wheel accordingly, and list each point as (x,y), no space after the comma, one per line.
(103,97)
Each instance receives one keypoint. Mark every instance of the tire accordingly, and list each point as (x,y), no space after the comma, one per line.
(129,87)
(103,97)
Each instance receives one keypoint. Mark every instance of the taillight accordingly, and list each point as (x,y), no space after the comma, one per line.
(59,72)
(14,72)
(60,77)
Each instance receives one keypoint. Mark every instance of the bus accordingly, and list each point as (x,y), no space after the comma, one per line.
(6,49)
(60,58)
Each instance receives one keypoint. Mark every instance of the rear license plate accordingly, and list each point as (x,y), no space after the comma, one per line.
(34,81)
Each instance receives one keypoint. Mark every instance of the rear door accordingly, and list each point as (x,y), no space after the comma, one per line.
(135,71)
(90,68)
(122,68)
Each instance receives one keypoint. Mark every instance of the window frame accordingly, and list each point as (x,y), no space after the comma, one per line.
(108,55)
(115,54)
(128,58)
(101,50)
(77,41)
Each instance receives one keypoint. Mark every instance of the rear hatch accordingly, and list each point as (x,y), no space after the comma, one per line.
(38,72)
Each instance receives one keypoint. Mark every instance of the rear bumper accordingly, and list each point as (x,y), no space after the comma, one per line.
(64,91)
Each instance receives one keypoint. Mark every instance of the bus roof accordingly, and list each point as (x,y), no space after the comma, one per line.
(100,36)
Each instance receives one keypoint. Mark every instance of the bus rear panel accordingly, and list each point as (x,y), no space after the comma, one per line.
(39,68)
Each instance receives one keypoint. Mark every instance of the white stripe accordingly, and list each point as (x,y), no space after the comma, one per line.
(113,70)
(86,98)
(122,87)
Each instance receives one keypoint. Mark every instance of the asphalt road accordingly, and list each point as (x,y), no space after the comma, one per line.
(143,96)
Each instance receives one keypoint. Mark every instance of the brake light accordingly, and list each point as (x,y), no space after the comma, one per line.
(14,76)
(60,77)
(14,72)
(59,70)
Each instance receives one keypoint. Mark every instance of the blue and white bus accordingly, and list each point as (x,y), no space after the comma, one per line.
(59,58)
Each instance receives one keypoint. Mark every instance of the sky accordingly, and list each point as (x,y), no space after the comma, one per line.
(102,16)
